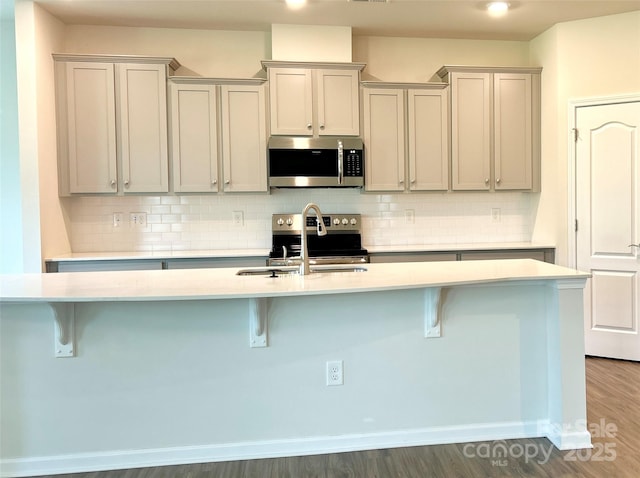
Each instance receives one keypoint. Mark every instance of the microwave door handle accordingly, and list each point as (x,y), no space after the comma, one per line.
(340,162)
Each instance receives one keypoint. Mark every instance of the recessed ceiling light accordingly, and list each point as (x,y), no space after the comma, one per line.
(294,4)
(497,9)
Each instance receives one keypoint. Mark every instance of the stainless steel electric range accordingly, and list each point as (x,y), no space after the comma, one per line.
(341,245)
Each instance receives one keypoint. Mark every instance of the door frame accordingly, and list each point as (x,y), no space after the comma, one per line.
(572,187)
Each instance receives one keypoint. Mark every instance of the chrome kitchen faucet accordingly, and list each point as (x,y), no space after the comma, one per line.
(322,231)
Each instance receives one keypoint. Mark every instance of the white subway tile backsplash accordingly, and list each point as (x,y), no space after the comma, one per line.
(203,222)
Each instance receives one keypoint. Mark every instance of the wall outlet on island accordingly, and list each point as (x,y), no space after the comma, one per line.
(335,374)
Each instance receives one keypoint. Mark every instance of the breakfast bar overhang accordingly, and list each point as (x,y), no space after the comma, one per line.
(106,370)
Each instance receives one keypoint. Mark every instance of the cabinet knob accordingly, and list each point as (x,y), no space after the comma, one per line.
(413,181)
(227,181)
(126,183)
(498,181)
(309,126)
(401,181)
(486,181)
(113,183)
(321,126)
(214,182)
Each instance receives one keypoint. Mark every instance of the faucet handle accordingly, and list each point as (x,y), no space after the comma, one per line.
(322,230)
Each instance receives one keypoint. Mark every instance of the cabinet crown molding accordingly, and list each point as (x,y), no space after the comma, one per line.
(266,64)
(156,60)
(201,80)
(401,85)
(446,69)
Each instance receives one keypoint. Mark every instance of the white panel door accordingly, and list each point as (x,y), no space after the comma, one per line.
(608,236)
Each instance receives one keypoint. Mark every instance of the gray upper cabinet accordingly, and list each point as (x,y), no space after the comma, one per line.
(112,123)
(194,136)
(314,99)
(218,135)
(495,127)
(406,136)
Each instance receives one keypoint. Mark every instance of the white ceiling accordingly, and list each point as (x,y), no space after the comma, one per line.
(416,18)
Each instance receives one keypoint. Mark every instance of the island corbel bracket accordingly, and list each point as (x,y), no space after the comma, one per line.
(432,312)
(258,322)
(64,315)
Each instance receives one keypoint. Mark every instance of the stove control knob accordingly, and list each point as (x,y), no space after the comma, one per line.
(345,221)
(280,222)
(354,221)
(289,221)
(336,221)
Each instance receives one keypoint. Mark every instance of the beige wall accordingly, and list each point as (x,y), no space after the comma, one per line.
(588,58)
(53,215)
(418,59)
(211,53)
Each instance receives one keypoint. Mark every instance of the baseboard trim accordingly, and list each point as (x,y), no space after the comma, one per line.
(121,459)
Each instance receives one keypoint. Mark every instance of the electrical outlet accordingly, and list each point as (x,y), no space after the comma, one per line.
(238,218)
(138,220)
(335,373)
(409,216)
(117,219)
(495,214)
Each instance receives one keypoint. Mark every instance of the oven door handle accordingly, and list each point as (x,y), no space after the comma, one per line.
(340,162)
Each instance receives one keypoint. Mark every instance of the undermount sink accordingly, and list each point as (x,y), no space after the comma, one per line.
(284,271)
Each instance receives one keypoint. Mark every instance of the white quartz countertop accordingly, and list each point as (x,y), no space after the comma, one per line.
(204,284)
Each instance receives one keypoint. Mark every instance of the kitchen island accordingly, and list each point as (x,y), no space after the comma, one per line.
(182,366)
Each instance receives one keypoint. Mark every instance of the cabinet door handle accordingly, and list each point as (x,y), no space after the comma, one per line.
(634,245)
(321,126)
(309,126)
(113,183)
(227,181)
(498,181)
(126,183)
(214,182)
(486,181)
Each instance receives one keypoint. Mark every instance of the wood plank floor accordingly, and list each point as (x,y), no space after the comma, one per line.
(613,398)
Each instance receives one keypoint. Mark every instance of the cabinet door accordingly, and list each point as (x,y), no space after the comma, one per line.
(384,139)
(471,131)
(338,102)
(194,143)
(244,138)
(428,140)
(512,131)
(143,127)
(291,101)
(91,127)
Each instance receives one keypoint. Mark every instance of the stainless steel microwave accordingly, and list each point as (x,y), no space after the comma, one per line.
(299,162)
